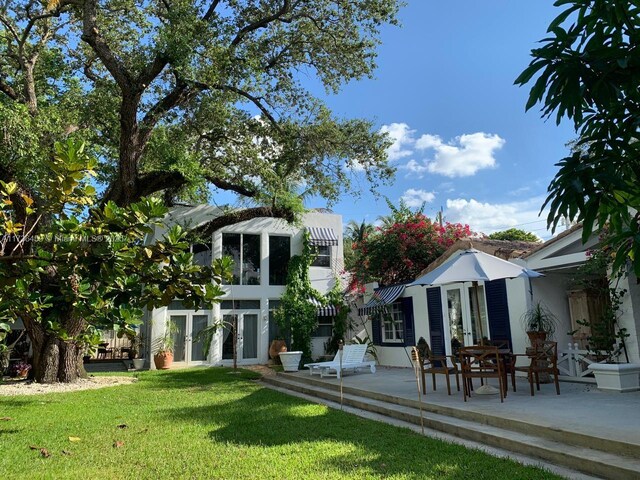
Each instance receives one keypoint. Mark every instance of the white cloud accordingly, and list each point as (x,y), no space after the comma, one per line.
(403,141)
(415,198)
(463,156)
(492,217)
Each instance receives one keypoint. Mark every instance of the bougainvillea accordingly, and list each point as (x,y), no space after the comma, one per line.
(398,252)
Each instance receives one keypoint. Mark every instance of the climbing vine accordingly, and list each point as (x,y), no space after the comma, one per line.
(297,313)
(335,297)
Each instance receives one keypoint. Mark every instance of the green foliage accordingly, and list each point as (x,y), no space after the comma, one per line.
(588,69)
(398,251)
(297,312)
(336,298)
(167,342)
(89,267)
(214,92)
(606,339)
(515,234)
(539,319)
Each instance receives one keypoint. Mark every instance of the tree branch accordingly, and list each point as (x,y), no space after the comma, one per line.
(92,37)
(8,90)
(244,215)
(255,100)
(263,22)
(225,185)
(211,10)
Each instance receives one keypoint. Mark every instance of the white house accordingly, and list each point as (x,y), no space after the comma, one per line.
(261,249)
(444,315)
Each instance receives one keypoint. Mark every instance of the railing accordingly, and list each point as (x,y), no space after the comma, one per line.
(112,347)
(573,362)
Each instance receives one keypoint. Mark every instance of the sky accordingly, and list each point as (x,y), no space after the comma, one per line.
(462,140)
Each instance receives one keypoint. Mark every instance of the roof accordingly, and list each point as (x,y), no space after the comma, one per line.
(553,240)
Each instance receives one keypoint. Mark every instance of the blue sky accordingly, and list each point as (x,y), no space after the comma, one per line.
(444,91)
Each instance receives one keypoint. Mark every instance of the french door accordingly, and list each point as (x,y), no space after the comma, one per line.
(187,349)
(245,336)
(464,327)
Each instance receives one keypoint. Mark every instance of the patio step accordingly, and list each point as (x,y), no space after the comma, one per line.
(105,366)
(542,443)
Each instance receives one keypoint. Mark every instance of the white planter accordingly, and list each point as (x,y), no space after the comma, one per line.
(618,377)
(138,363)
(290,360)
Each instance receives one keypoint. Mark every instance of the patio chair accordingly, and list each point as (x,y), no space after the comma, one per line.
(352,359)
(434,364)
(480,361)
(543,358)
(508,359)
(316,367)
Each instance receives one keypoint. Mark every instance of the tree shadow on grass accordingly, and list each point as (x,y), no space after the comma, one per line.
(339,443)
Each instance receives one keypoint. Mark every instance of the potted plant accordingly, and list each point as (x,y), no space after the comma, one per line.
(137,344)
(19,370)
(539,323)
(164,345)
(291,360)
(606,343)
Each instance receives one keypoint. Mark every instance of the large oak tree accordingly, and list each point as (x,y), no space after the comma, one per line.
(183,99)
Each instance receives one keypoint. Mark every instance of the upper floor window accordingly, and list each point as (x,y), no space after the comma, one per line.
(393,323)
(244,249)
(323,256)
(279,256)
(201,254)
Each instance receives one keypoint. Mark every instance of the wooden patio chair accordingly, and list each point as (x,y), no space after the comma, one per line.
(543,358)
(480,361)
(508,361)
(434,364)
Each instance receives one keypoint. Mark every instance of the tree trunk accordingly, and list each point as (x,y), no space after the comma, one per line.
(57,361)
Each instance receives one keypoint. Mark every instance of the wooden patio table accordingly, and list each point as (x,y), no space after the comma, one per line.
(504,356)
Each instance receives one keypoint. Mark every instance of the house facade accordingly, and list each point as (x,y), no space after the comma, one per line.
(261,249)
(445,315)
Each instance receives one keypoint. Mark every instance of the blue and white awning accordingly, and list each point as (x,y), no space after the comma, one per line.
(381,297)
(324,310)
(323,237)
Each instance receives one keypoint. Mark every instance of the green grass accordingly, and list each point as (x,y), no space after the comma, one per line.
(215,424)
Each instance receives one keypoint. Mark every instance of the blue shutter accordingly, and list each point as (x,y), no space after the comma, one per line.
(498,310)
(436,321)
(376,334)
(409,327)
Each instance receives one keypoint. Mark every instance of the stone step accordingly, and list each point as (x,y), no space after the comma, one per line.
(608,445)
(580,458)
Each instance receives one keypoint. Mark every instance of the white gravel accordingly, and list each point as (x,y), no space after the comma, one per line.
(21,387)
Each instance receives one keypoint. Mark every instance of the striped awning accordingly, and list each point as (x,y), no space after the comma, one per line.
(324,237)
(381,297)
(324,310)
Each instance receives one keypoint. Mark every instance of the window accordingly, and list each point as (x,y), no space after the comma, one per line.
(323,256)
(201,254)
(279,256)
(245,252)
(240,305)
(393,323)
(324,328)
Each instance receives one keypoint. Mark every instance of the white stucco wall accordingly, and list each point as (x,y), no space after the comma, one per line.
(322,278)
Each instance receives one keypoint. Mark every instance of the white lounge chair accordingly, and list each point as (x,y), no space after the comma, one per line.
(352,359)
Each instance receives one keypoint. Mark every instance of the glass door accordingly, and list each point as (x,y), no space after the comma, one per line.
(464,327)
(186,349)
(246,341)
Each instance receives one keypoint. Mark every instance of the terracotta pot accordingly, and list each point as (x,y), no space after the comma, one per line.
(535,337)
(276,347)
(163,360)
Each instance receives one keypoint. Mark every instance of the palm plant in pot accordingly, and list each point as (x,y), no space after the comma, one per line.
(164,345)
(137,344)
(539,323)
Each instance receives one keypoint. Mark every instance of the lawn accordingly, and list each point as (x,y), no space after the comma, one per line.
(217,424)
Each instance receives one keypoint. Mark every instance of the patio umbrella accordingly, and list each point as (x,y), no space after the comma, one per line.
(474,266)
